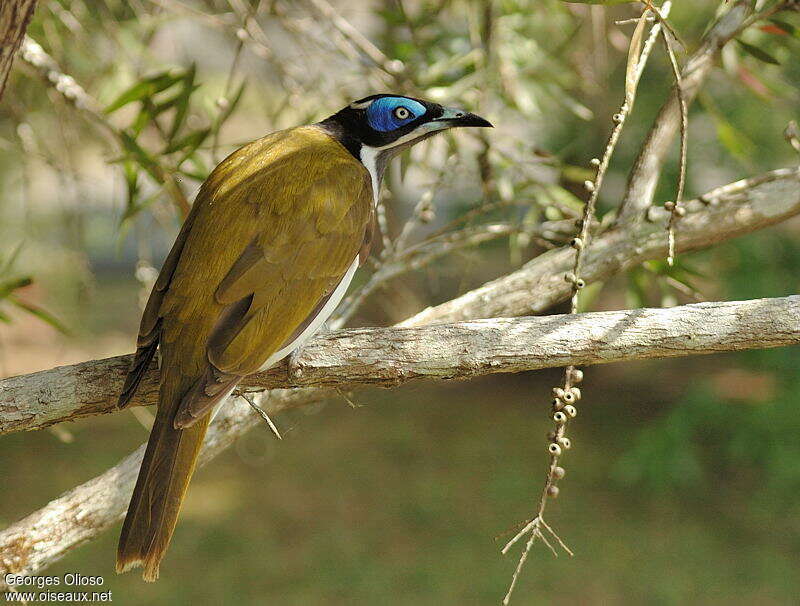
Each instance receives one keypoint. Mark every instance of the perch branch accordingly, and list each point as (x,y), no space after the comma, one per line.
(388,357)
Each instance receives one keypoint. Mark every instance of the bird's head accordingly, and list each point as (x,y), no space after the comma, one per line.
(376,128)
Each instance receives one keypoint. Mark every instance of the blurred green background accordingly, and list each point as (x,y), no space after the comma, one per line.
(681,486)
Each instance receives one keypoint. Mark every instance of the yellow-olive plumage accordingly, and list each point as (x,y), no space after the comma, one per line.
(272,232)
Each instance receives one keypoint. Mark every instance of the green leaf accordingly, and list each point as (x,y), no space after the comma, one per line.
(143,89)
(140,156)
(758,53)
(189,143)
(131,176)
(10,285)
(182,101)
(143,118)
(40,313)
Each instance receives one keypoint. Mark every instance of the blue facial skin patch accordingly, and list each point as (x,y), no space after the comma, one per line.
(381,114)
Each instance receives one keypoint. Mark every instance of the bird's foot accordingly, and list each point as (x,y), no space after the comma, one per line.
(294,365)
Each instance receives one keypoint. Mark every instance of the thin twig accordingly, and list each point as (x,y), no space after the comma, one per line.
(224,101)
(394,68)
(676,209)
(246,397)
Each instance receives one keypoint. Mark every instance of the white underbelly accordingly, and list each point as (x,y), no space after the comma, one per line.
(311,329)
(316,323)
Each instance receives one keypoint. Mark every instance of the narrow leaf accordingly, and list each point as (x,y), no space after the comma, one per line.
(40,313)
(143,89)
(634,50)
(182,104)
(140,156)
(189,143)
(9,286)
(758,53)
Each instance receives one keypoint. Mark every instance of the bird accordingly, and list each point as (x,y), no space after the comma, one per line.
(263,258)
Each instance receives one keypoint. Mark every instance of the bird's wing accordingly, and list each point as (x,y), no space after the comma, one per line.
(275,228)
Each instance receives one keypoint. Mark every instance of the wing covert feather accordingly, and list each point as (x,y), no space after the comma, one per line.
(279,222)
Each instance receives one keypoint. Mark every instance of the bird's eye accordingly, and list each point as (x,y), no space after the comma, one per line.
(401,113)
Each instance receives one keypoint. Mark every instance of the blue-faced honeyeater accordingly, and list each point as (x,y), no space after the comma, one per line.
(265,255)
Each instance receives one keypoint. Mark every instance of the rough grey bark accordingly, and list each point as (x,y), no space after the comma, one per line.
(391,356)
(14,18)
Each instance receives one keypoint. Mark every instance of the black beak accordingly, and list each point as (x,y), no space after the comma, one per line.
(469,119)
(458,117)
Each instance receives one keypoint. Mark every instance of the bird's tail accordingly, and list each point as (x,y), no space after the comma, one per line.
(167,467)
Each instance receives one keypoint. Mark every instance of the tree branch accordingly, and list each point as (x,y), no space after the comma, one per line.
(70,392)
(14,18)
(721,214)
(391,356)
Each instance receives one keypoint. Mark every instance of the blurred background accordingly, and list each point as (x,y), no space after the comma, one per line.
(682,483)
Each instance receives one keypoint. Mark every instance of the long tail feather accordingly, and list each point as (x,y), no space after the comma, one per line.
(167,467)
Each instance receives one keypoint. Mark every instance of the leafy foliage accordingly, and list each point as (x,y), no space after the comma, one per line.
(10,285)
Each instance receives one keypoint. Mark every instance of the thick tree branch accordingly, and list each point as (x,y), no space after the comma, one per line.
(386,356)
(14,18)
(721,214)
(70,392)
(646,171)
(391,356)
